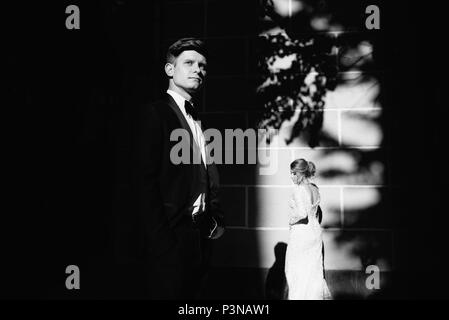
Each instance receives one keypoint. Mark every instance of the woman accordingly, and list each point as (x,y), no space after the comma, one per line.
(304,257)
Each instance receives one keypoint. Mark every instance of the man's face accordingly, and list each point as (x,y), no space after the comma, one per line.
(188,71)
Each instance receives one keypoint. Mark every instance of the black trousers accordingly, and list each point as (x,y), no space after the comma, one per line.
(176,276)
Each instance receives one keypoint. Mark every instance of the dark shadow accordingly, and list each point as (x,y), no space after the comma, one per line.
(276,284)
(76,91)
(347,296)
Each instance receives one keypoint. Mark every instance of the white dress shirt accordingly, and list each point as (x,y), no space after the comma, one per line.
(199,140)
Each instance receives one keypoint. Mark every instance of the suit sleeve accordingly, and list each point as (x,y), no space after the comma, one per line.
(215,210)
(157,234)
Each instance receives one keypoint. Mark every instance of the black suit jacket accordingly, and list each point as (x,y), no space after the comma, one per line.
(167,191)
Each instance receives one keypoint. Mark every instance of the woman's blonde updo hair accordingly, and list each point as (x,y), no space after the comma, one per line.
(303,167)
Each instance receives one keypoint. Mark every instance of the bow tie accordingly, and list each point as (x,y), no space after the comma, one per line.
(190,110)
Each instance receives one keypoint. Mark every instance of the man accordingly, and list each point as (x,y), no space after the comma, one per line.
(178,206)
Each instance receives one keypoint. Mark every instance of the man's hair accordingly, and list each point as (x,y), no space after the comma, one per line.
(185,44)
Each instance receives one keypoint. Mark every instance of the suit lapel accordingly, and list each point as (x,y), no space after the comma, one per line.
(172,103)
(193,144)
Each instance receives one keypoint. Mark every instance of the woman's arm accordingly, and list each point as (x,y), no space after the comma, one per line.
(299,205)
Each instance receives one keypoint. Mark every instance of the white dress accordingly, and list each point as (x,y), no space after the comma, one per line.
(304,257)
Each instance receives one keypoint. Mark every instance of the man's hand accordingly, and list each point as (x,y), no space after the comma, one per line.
(209,226)
(217,231)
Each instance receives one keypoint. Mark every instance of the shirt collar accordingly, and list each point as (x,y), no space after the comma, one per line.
(180,100)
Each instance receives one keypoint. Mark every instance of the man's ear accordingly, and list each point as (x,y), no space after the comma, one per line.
(169,69)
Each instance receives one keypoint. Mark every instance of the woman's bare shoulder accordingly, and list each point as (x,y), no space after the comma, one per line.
(313,191)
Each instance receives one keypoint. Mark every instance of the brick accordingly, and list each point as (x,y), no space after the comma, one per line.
(268,206)
(237,173)
(266,166)
(330,129)
(330,205)
(337,160)
(254,117)
(356,91)
(350,284)
(309,154)
(188,15)
(361,51)
(224,120)
(361,128)
(355,198)
(278,167)
(247,248)
(255,55)
(231,18)
(347,166)
(351,250)
(328,136)
(235,284)
(367,208)
(233,200)
(227,56)
(281,136)
(356,57)
(229,93)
